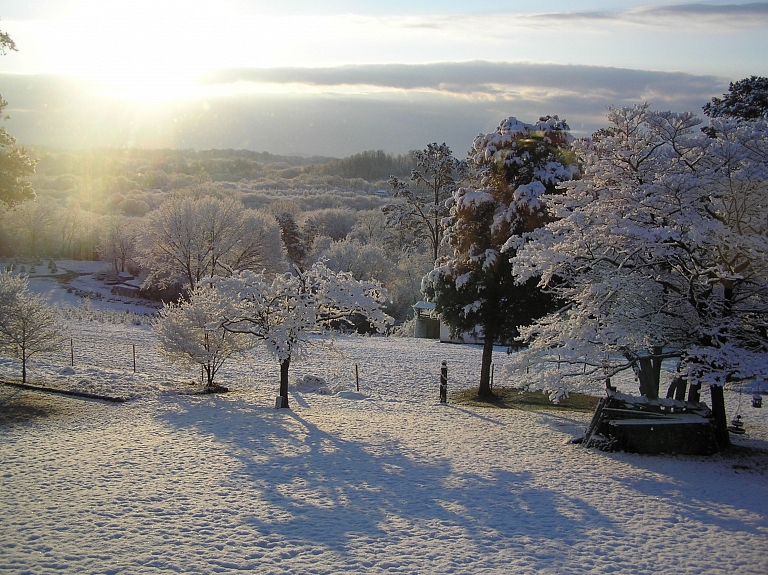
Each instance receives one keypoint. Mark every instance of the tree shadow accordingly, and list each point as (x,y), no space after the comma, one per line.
(726,491)
(321,489)
(20,406)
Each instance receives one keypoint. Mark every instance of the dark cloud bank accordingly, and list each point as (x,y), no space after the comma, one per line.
(391,107)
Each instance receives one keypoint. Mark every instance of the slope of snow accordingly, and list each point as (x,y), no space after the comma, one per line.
(384,480)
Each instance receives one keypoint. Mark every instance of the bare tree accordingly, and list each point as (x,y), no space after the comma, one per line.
(190,239)
(33,221)
(423,207)
(119,240)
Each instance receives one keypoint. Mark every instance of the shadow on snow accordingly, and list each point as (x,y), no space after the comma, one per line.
(319,488)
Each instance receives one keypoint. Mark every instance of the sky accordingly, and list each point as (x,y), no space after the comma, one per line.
(338,77)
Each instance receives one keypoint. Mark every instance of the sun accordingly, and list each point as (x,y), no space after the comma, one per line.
(141,50)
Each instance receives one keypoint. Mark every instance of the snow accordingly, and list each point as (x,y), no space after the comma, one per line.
(384,480)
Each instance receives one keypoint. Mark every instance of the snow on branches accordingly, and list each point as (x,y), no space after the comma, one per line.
(422,206)
(28,324)
(508,173)
(282,311)
(190,332)
(659,250)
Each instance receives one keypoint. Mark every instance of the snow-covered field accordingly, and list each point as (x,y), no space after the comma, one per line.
(386,480)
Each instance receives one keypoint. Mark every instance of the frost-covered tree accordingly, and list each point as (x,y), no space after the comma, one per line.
(119,238)
(28,324)
(746,99)
(363,261)
(659,252)
(191,239)
(370,227)
(282,311)
(511,169)
(422,208)
(190,332)
(335,223)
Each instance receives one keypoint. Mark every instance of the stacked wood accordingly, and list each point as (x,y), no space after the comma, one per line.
(651,425)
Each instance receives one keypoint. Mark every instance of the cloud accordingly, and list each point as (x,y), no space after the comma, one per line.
(472,78)
(410,107)
(748,15)
(742,12)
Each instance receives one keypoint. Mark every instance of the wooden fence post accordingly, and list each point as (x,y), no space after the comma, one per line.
(444,382)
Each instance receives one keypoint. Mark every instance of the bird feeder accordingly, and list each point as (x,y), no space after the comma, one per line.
(737,425)
(757,400)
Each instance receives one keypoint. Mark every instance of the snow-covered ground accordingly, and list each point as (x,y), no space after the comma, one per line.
(386,480)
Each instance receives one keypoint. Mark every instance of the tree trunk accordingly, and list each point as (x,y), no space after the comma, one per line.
(693,392)
(677,388)
(649,385)
(485,369)
(721,421)
(656,366)
(284,365)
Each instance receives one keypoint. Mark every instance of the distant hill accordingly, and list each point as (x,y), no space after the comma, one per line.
(226,165)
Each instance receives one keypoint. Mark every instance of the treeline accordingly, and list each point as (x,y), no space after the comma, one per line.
(168,168)
(371,165)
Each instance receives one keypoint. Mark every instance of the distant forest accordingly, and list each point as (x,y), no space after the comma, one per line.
(82,195)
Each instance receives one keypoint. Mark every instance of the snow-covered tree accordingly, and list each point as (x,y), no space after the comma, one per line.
(363,261)
(370,227)
(191,239)
(335,223)
(190,332)
(473,289)
(28,324)
(423,208)
(282,311)
(659,251)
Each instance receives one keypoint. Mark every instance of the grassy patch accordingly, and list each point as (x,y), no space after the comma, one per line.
(512,398)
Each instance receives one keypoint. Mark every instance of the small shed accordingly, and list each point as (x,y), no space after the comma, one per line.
(465,337)
(427,320)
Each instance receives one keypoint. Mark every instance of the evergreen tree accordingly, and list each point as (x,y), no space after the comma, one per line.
(473,287)
(746,99)
(15,164)
(293,239)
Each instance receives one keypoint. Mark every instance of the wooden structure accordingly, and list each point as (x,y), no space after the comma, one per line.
(427,320)
(642,425)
